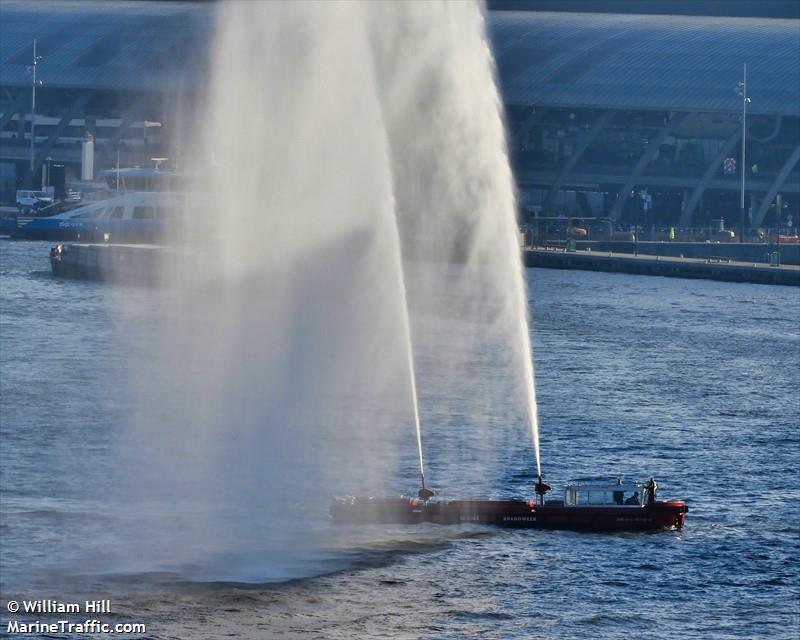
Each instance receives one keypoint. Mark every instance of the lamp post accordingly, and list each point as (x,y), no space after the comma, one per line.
(32,70)
(745,101)
(778,209)
(146,124)
(46,181)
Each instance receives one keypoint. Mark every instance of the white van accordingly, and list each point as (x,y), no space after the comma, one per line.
(33,199)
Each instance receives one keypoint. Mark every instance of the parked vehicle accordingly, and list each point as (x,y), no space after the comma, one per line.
(28,200)
(129,205)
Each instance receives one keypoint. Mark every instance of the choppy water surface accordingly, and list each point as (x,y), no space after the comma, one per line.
(693,381)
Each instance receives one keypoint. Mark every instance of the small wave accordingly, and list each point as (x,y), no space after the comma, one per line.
(480,615)
(730,583)
(791,530)
(774,582)
(52,514)
(616,583)
(522,475)
(600,618)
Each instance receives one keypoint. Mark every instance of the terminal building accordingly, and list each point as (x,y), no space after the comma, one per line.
(629,119)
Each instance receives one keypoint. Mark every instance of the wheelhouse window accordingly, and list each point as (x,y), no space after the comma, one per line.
(144,213)
(602,496)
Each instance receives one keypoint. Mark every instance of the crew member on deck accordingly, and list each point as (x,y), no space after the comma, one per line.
(652,488)
(634,499)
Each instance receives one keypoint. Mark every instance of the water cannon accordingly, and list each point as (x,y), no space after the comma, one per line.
(424,493)
(541,487)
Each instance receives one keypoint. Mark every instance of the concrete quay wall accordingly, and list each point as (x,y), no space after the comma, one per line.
(715,269)
(741,252)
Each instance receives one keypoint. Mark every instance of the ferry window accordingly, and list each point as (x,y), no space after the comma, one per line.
(164,213)
(144,213)
(90,215)
(116,214)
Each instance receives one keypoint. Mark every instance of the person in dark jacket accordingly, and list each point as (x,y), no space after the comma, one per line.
(634,499)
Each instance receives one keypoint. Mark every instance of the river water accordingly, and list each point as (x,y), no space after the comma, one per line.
(695,382)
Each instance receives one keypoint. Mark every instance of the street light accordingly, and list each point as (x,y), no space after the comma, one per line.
(147,124)
(32,70)
(742,91)
(46,182)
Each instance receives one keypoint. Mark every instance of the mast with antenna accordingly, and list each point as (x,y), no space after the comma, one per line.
(32,70)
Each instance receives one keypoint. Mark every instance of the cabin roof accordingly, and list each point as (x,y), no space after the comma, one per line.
(604,484)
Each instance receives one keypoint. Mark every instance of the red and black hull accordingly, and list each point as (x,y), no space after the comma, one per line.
(510,513)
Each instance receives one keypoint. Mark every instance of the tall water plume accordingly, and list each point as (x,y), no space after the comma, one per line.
(332,134)
(281,374)
(452,180)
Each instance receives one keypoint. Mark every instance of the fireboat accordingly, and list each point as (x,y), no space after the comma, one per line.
(587,505)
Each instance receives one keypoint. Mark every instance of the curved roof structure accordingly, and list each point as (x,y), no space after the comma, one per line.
(138,46)
(680,63)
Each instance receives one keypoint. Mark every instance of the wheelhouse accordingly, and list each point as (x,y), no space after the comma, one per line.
(604,494)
